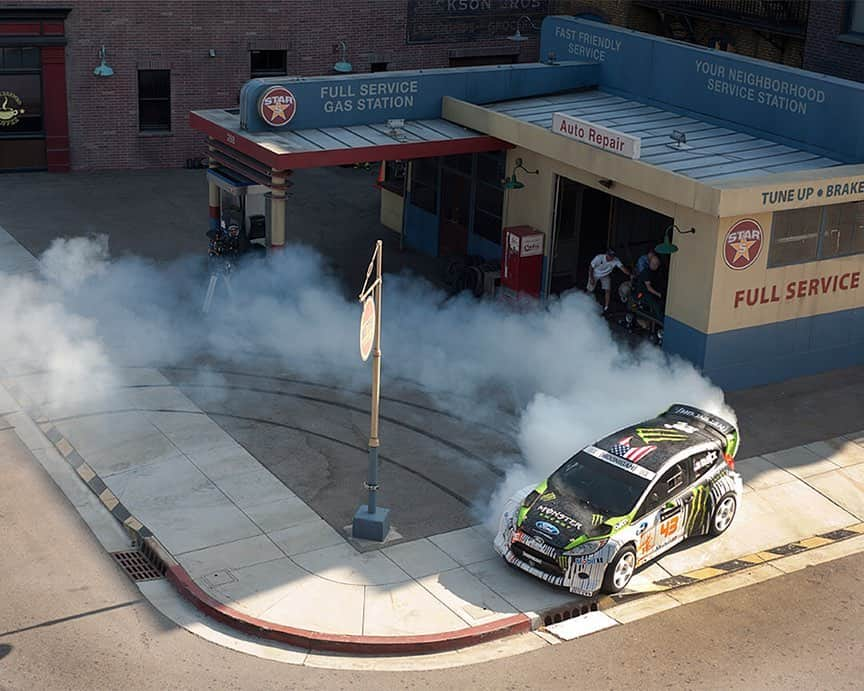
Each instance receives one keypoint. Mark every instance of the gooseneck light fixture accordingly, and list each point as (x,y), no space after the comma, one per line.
(511,182)
(102,70)
(667,246)
(518,37)
(343,65)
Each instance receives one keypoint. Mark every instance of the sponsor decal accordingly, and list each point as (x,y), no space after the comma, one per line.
(11,109)
(681,427)
(634,454)
(696,512)
(716,423)
(620,462)
(706,460)
(277,106)
(549,496)
(596,518)
(547,528)
(559,517)
(742,244)
(655,434)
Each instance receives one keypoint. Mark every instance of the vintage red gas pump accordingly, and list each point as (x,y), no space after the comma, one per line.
(522,265)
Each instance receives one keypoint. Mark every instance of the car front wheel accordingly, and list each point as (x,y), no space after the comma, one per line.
(620,570)
(724,514)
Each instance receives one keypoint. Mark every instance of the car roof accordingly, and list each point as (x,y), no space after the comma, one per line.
(653,443)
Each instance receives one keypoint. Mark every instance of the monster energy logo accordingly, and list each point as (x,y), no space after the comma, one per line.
(653,434)
(596,519)
(698,508)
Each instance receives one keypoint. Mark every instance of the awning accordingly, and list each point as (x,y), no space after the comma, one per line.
(314,148)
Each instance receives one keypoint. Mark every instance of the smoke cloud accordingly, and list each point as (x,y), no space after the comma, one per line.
(557,370)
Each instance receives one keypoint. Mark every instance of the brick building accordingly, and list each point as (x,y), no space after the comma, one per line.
(835,39)
(168,58)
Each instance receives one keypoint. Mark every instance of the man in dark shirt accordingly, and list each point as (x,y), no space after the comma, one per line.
(651,284)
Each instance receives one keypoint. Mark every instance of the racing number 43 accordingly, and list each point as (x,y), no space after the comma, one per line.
(669,526)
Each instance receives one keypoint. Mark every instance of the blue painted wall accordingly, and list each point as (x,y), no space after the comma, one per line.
(763,354)
(362,99)
(815,111)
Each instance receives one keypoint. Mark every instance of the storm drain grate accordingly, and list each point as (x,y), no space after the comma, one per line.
(137,566)
(559,614)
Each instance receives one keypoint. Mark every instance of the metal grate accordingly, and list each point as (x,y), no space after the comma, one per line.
(137,566)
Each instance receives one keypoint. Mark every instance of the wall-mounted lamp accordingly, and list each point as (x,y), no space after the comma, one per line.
(512,183)
(518,37)
(667,246)
(680,139)
(102,70)
(212,52)
(343,65)
(608,184)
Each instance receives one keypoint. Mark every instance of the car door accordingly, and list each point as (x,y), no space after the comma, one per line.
(696,512)
(660,522)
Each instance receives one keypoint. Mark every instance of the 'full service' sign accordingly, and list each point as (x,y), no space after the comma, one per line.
(595,135)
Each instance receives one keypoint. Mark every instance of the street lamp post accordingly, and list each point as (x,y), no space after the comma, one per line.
(371,522)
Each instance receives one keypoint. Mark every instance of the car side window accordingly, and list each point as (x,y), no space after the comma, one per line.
(669,484)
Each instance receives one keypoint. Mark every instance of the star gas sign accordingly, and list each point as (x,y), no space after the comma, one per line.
(277,106)
(742,244)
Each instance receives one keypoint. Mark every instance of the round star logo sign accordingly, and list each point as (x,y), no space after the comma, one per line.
(742,244)
(277,106)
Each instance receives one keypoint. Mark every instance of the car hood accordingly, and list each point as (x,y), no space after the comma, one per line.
(558,520)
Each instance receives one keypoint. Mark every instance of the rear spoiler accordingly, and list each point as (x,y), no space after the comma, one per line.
(727,429)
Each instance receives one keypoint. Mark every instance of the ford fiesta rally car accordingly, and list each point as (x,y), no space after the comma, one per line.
(624,500)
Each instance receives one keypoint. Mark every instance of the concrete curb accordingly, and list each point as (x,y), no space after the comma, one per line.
(344,643)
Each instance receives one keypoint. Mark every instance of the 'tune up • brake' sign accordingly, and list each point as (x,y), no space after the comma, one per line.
(595,135)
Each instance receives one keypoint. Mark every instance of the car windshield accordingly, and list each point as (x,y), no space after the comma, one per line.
(608,489)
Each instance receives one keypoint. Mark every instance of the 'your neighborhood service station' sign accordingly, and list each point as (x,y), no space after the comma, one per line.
(595,135)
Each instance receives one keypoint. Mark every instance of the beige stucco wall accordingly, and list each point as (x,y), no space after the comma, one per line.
(775,302)
(392,205)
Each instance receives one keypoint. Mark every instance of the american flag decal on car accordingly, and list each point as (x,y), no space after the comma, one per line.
(631,453)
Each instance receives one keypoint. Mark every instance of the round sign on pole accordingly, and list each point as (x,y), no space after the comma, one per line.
(367,328)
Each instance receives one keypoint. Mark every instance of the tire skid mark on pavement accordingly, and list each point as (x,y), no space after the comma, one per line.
(385,459)
(341,389)
(495,470)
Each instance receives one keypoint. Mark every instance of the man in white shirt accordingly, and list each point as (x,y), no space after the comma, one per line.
(601,269)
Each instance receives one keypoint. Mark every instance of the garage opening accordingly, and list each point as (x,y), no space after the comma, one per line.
(590,221)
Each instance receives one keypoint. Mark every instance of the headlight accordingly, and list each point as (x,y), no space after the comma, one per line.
(586,548)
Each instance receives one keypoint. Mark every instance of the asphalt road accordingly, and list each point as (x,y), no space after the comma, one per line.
(70,619)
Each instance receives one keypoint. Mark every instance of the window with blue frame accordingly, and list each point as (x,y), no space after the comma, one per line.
(820,232)
(855,24)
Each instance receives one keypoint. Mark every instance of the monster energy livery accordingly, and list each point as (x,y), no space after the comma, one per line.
(625,500)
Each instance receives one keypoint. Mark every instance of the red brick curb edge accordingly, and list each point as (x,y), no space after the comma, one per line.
(367,645)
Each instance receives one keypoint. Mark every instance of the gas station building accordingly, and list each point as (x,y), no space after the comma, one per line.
(619,139)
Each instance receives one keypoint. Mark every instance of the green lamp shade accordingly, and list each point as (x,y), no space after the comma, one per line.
(343,66)
(666,247)
(512,183)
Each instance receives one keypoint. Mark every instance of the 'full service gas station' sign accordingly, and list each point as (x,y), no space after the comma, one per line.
(601,137)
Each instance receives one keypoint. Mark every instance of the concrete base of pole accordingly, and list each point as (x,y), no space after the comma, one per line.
(371,526)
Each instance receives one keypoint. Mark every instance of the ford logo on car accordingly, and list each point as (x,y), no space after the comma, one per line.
(547,528)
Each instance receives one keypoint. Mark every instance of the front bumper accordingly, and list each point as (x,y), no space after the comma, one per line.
(581,575)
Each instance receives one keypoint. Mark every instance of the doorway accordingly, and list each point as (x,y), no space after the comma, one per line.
(582,231)
(589,221)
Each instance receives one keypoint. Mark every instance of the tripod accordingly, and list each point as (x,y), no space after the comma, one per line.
(215,275)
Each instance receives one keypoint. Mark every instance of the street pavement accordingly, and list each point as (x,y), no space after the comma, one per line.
(253,532)
(70,619)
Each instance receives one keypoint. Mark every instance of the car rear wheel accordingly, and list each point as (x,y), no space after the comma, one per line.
(620,570)
(724,514)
